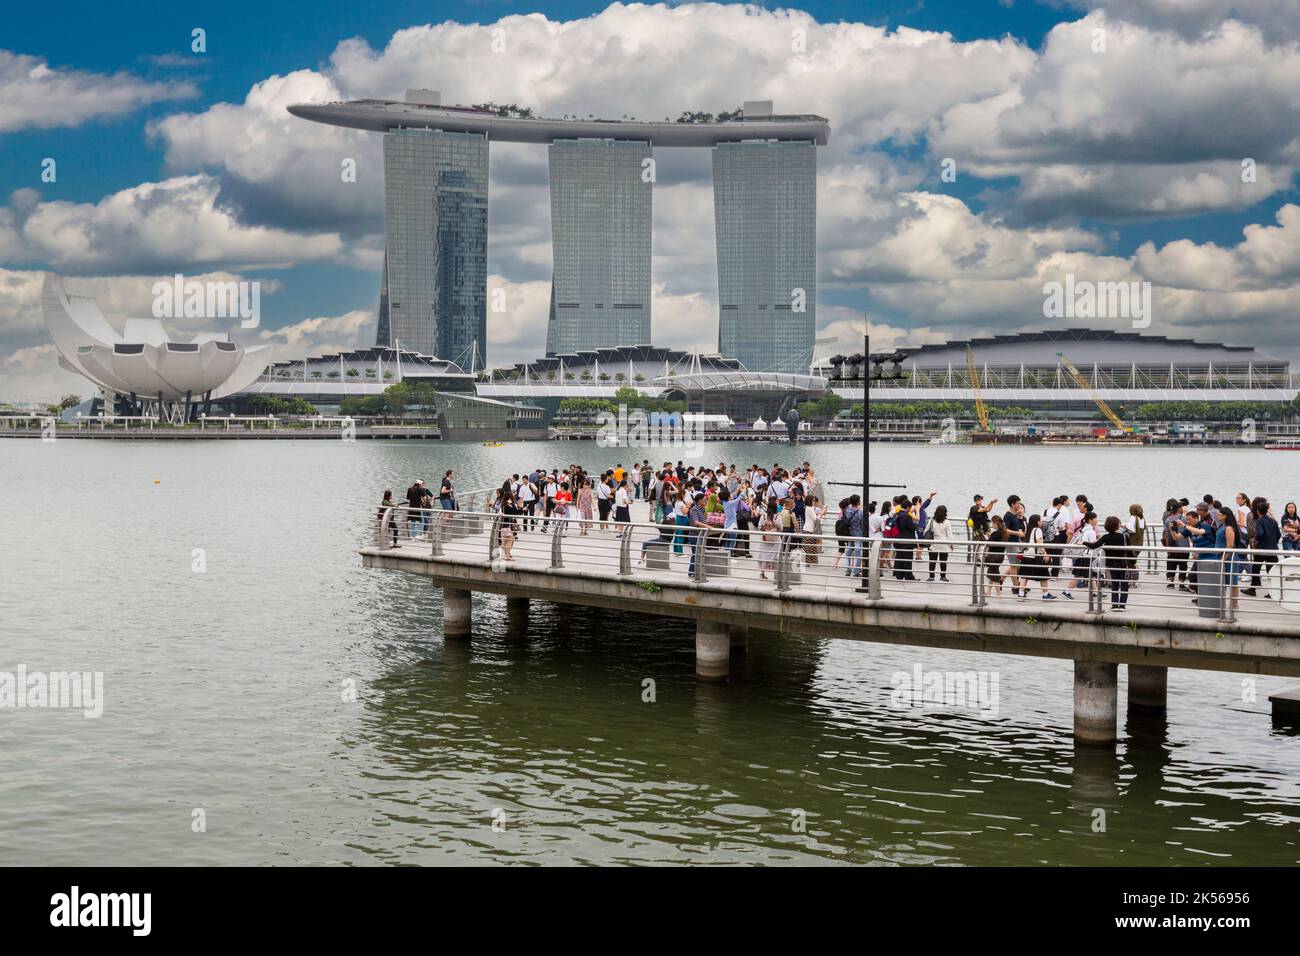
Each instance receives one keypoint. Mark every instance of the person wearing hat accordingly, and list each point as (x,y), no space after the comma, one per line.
(414,504)
(977,519)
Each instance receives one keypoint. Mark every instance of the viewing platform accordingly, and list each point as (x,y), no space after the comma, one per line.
(635,568)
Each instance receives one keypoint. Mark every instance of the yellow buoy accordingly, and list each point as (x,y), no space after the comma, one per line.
(157,481)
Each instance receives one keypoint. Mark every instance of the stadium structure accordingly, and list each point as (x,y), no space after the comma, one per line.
(1032,370)
(709,383)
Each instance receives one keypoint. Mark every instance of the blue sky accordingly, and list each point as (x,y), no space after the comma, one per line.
(1111,166)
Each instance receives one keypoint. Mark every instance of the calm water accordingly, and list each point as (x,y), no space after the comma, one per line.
(225,692)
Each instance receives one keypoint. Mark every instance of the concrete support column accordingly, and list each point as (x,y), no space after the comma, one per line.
(456,613)
(712,650)
(739,637)
(517,605)
(1148,687)
(1096,702)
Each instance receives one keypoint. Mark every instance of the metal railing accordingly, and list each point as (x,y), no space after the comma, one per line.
(787,561)
(1248,584)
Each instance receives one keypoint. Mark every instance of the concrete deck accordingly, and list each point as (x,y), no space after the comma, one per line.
(1161,629)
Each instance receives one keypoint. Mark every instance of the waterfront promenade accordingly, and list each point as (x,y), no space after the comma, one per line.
(1160,630)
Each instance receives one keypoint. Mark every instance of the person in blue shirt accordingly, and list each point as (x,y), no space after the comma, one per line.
(853,546)
(1228,541)
(1268,537)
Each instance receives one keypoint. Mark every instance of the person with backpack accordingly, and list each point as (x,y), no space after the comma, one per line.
(1113,544)
(1266,535)
(853,550)
(1080,553)
(843,530)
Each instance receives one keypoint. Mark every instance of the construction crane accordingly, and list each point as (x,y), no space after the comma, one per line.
(981,410)
(1083,384)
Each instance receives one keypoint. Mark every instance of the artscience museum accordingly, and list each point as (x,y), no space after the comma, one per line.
(142,369)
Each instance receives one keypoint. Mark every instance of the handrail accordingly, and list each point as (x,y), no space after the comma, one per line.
(557,550)
(1070,569)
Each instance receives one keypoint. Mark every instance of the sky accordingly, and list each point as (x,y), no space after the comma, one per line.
(1146,141)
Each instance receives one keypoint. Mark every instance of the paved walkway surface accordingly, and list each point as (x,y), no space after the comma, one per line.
(597,553)
(1150,600)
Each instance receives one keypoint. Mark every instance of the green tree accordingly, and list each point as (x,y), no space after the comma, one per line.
(396,398)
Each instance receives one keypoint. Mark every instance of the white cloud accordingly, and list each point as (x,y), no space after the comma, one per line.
(1156,124)
(1191,18)
(321,335)
(34,96)
(1268,258)
(174,225)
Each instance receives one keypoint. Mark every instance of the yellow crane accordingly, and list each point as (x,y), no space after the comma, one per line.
(981,410)
(1083,384)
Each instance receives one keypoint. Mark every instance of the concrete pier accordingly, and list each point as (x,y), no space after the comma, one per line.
(739,637)
(1096,702)
(1148,687)
(456,613)
(603,570)
(712,650)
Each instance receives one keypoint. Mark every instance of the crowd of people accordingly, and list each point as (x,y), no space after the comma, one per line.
(1067,546)
(744,511)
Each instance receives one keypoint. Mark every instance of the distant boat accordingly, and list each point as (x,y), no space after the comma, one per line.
(1289,444)
(494,444)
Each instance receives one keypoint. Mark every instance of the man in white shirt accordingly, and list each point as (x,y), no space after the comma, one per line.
(526,493)
(603,502)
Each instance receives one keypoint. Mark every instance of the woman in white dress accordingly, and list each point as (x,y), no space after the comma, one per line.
(767,545)
(812,529)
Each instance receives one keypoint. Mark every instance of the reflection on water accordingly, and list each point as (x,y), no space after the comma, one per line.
(227,692)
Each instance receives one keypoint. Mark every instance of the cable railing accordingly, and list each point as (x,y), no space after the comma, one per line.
(792,562)
(1242,585)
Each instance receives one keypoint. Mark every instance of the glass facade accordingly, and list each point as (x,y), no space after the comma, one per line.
(435,262)
(383,335)
(765,207)
(600,236)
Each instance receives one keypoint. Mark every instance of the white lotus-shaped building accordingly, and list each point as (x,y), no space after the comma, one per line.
(142,361)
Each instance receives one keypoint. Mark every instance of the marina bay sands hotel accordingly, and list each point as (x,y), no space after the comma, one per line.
(433,296)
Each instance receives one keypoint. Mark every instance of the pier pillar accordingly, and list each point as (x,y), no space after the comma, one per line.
(1148,687)
(517,606)
(1286,708)
(739,637)
(456,613)
(712,650)
(1096,702)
